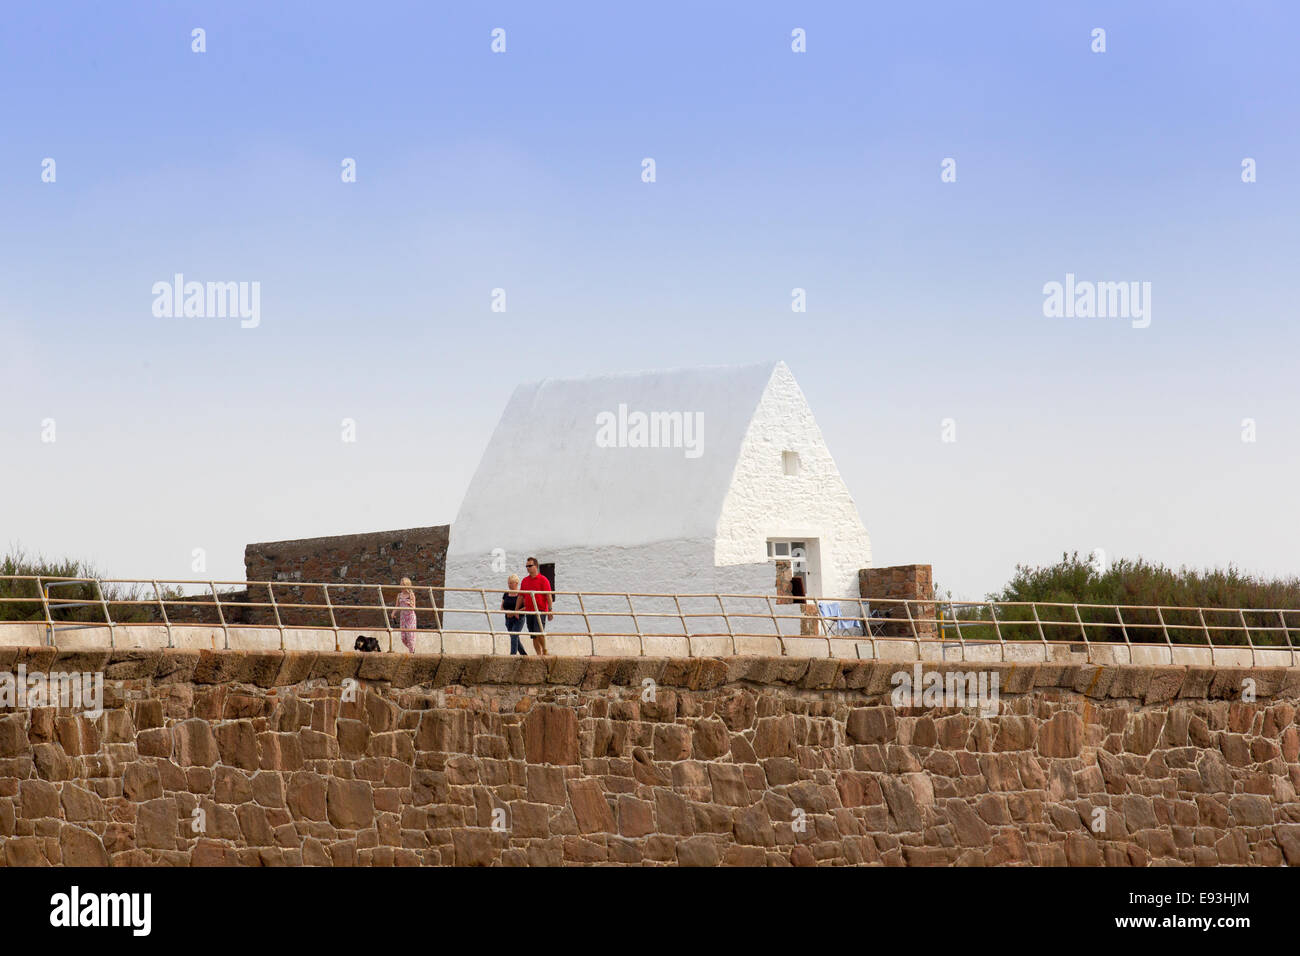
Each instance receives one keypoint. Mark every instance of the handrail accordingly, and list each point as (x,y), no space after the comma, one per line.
(340,606)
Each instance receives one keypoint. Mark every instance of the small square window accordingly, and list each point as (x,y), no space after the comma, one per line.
(790,462)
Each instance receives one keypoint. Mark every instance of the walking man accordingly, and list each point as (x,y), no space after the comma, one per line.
(535,591)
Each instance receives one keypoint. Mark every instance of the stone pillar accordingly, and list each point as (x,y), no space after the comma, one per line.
(903,582)
(783,578)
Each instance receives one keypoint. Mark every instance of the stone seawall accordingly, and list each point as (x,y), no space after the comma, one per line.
(244,758)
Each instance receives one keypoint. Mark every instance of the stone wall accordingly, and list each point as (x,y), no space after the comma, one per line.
(380,557)
(903,582)
(258,759)
(200,609)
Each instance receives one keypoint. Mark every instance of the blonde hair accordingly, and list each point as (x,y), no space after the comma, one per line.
(513,582)
(406,582)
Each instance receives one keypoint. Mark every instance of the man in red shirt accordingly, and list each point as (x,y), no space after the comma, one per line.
(535,599)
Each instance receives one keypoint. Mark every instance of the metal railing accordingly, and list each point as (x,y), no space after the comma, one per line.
(859,621)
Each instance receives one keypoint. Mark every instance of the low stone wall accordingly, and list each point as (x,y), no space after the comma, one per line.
(206,757)
(376,558)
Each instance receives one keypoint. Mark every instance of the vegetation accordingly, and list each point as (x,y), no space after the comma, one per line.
(78,601)
(1263,604)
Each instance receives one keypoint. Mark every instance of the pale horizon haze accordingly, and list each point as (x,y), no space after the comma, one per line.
(775,170)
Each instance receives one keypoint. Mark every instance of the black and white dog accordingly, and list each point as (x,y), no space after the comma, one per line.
(366,643)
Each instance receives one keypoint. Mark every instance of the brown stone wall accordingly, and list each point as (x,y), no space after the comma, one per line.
(910,582)
(382,557)
(200,609)
(761,761)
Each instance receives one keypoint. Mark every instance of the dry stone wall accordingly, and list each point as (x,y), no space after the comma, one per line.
(237,758)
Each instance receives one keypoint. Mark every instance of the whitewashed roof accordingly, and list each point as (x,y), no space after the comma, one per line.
(544,479)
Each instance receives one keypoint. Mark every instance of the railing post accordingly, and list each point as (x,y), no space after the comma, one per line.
(1160,616)
(492,630)
(1079,619)
(916,635)
(636,625)
(960,640)
(387,621)
(1246,628)
(780,639)
(1286,636)
(1208,639)
(221,614)
(726,620)
(1084,631)
(49,623)
(686,632)
(993,613)
(586,622)
(823,628)
(442,634)
(270,589)
(157,592)
(112,633)
(433,603)
(1042,635)
(333,620)
(1205,627)
(864,611)
(1119,616)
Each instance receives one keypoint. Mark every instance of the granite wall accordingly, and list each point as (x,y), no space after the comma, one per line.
(242,758)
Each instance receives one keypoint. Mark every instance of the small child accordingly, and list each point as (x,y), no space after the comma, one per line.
(514,622)
(406,613)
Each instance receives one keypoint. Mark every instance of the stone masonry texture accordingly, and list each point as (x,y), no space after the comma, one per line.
(381,557)
(288,758)
(902,582)
(378,558)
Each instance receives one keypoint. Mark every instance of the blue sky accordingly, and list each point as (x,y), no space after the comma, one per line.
(775,170)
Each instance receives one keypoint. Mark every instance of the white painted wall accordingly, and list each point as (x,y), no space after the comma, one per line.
(763,502)
(665,567)
(654,519)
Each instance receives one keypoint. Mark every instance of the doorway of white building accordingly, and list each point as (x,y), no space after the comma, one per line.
(548,569)
(804,555)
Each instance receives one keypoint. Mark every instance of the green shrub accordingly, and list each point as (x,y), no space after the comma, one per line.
(1228,595)
(21,600)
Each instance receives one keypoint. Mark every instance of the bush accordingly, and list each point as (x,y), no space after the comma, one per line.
(1227,595)
(21,600)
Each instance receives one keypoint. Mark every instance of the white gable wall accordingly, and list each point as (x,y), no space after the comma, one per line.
(763,502)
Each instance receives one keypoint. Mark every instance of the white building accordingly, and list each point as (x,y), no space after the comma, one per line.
(683,481)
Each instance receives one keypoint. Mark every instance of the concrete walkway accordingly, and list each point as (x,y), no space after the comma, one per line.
(658,645)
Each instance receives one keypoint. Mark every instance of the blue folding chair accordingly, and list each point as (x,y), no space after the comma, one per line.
(834,624)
